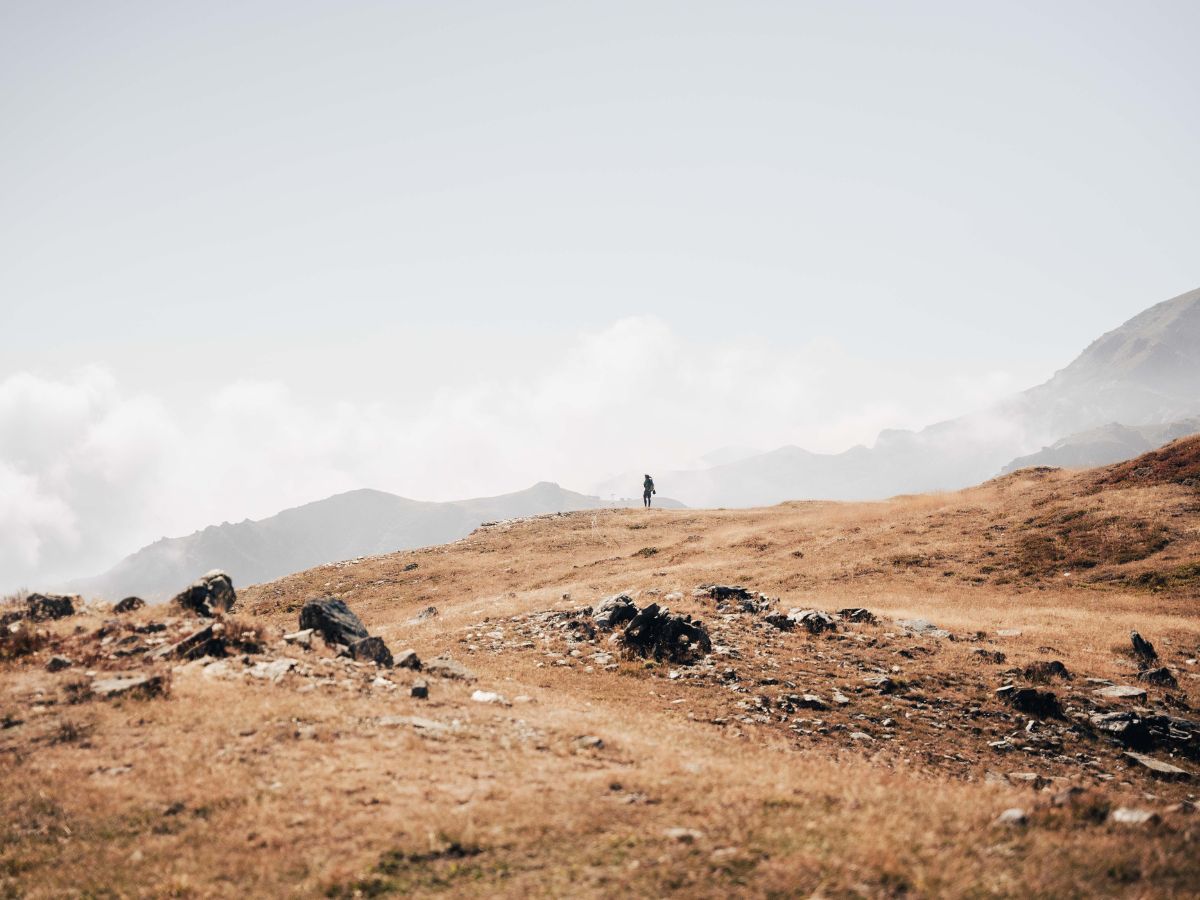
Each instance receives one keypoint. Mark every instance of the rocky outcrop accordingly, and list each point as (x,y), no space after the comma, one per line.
(208,595)
(654,631)
(332,619)
(43,607)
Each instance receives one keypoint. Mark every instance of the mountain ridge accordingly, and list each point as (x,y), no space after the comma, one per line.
(347,525)
(1144,372)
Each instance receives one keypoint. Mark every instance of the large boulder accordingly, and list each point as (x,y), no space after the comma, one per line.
(42,607)
(208,595)
(332,619)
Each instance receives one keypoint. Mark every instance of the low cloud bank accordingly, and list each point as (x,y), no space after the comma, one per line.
(91,469)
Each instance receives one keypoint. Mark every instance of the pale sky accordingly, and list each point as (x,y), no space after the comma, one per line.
(256,253)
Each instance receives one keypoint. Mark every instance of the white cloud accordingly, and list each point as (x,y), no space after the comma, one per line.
(89,472)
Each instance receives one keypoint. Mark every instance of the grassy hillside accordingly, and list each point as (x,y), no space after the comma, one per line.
(871,760)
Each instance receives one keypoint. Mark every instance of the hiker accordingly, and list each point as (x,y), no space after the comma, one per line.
(647,490)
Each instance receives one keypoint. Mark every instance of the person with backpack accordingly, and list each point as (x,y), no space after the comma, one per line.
(647,490)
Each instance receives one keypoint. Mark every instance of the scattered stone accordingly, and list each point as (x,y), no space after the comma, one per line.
(922,627)
(993,656)
(302,638)
(208,595)
(140,687)
(615,610)
(589,742)
(1158,768)
(371,649)
(58,663)
(810,701)
(427,613)
(333,620)
(445,667)
(1033,779)
(1031,700)
(408,660)
(419,689)
(1161,676)
(43,607)
(418,722)
(840,699)
(815,621)
(1014,817)
(1124,815)
(683,835)
(272,670)
(488,697)
(780,621)
(858,614)
(1046,670)
(881,683)
(410,567)
(1121,692)
(1143,650)
(129,604)
(1008,632)
(721,592)
(205,642)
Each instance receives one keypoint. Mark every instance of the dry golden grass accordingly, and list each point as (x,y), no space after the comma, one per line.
(234,786)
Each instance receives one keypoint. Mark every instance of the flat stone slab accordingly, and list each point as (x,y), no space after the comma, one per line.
(445,667)
(1159,768)
(128,686)
(1121,692)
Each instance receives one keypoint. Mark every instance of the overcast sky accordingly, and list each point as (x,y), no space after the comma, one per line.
(256,253)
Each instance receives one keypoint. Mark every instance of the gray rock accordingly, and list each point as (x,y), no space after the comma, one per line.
(419,689)
(131,686)
(1121,692)
(272,670)
(208,595)
(58,663)
(780,621)
(1014,817)
(43,607)
(858,614)
(205,642)
(1158,768)
(301,638)
(1046,670)
(589,742)
(408,660)
(1161,676)
(332,619)
(129,604)
(814,621)
(1143,650)
(371,649)
(656,632)
(427,613)
(923,627)
(1124,815)
(1031,700)
(614,611)
(445,667)
(993,656)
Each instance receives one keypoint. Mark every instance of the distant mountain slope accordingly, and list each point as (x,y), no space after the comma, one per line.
(1146,372)
(345,526)
(1104,445)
